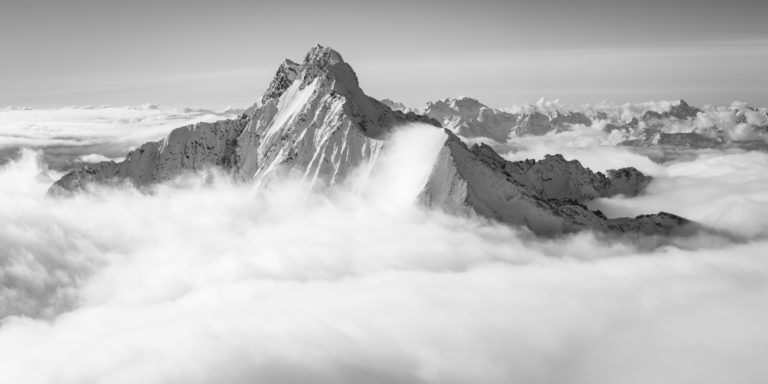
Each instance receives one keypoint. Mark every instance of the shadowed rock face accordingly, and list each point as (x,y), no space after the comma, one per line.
(546,196)
(314,121)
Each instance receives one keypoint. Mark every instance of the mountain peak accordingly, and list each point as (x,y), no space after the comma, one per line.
(323,56)
(319,62)
(683,110)
(467,102)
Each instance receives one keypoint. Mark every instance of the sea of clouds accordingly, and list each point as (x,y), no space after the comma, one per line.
(204,280)
(71,135)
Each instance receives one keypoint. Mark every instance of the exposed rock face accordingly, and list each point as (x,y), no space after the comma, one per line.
(546,196)
(313,120)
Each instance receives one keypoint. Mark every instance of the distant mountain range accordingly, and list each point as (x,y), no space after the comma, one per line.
(315,122)
(676,124)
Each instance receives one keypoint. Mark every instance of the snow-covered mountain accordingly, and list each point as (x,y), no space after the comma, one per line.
(315,122)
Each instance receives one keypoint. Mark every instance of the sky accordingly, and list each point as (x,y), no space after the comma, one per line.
(224,53)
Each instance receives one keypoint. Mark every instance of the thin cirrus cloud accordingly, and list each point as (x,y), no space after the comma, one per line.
(204,281)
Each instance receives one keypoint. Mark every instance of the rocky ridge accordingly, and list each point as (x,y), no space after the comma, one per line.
(546,196)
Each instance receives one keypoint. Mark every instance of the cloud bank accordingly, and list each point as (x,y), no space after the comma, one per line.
(204,281)
(63,134)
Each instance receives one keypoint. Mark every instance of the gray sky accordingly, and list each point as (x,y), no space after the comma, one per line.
(220,53)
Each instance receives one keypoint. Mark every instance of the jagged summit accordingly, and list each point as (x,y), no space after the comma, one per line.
(324,58)
(324,61)
(682,110)
(323,55)
(318,62)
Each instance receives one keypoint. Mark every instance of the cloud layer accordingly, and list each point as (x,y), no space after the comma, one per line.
(205,281)
(64,134)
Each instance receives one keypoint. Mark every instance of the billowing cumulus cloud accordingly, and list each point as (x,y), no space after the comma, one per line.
(207,281)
